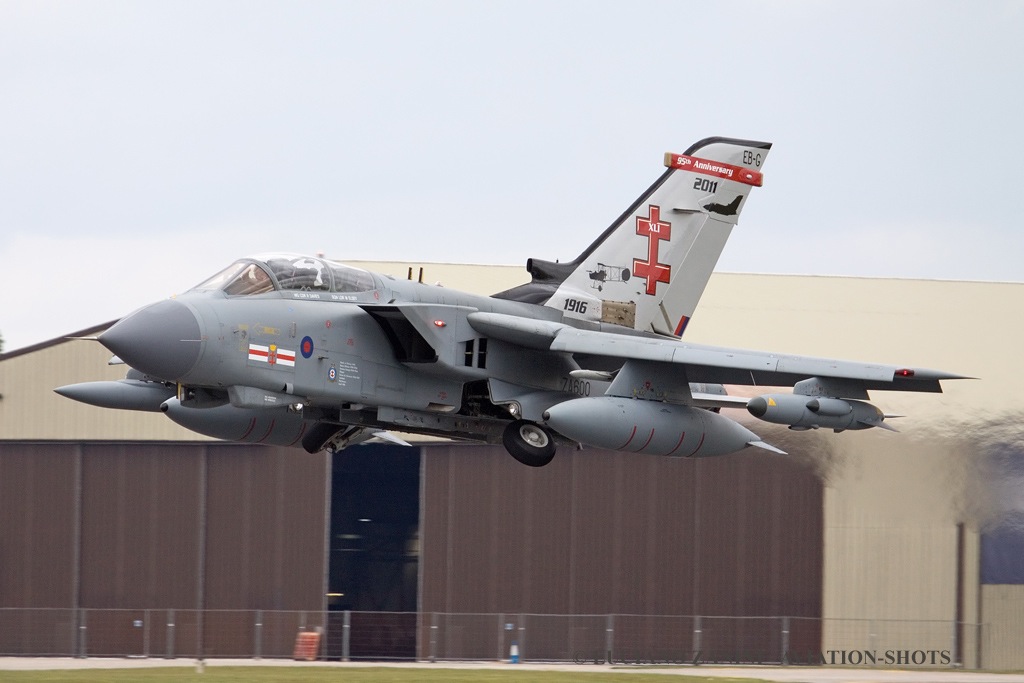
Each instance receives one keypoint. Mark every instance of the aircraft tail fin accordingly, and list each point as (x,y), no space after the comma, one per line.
(649,268)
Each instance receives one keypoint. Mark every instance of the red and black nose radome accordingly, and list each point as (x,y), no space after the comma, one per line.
(161,340)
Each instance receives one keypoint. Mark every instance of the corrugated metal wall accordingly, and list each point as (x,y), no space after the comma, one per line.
(38,525)
(141,512)
(1002,608)
(161,526)
(598,532)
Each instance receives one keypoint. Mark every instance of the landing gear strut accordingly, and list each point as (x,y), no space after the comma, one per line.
(529,443)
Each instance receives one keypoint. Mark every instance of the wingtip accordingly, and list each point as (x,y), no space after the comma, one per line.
(928,374)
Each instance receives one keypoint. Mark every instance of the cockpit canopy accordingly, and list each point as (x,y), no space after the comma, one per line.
(287,272)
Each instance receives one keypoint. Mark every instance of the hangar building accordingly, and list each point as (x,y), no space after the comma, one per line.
(122,533)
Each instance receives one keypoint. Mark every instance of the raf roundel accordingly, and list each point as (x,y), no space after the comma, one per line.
(306,347)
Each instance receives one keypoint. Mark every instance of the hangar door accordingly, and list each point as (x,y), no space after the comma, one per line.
(374,551)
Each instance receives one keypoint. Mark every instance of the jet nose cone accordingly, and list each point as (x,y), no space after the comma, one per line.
(161,340)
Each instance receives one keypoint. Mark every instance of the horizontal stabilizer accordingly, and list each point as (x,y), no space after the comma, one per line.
(702,400)
(882,425)
(767,446)
(594,375)
(390,438)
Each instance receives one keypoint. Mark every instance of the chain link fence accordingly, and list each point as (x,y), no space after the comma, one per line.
(437,636)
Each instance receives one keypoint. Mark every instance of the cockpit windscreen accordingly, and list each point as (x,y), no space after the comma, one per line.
(282,272)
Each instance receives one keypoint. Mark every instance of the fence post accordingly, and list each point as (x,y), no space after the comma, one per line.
(697,633)
(170,634)
(952,650)
(522,638)
(609,638)
(145,634)
(325,633)
(501,637)
(82,650)
(433,637)
(257,645)
(200,623)
(979,632)
(784,655)
(346,636)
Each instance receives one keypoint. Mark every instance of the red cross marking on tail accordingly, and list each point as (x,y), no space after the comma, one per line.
(655,230)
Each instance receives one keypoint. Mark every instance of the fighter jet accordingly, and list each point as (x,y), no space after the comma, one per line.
(300,351)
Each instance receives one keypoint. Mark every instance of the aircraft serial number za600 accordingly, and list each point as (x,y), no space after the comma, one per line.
(580,387)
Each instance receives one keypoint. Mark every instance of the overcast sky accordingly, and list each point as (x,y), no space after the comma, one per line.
(145,145)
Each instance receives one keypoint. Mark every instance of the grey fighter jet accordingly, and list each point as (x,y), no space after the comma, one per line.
(300,351)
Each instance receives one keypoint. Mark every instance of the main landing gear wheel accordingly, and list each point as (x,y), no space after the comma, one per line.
(317,438)
(529,443)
